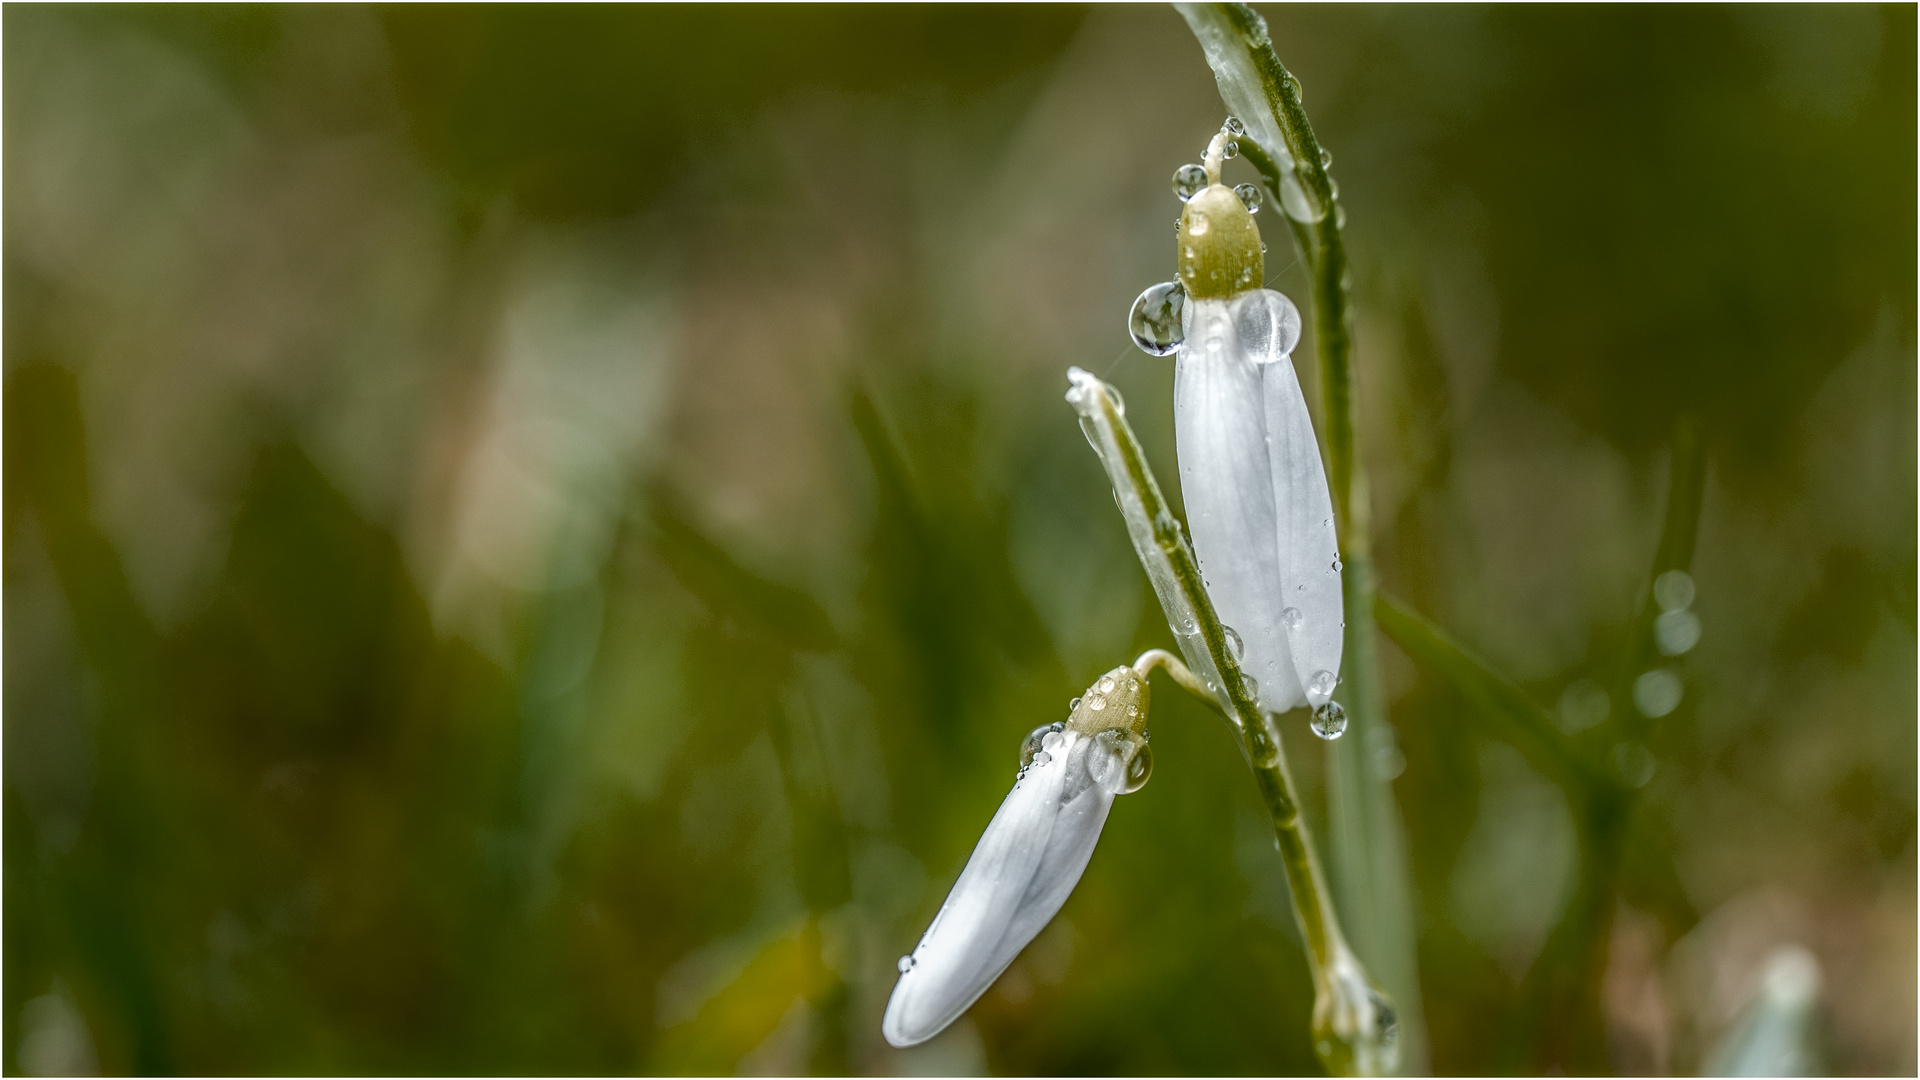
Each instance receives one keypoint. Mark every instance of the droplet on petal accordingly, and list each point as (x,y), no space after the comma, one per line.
(1155,321)
(1291,618)
(1268,325)
(1322,683)
(1329,720)
(1032,744)
(1120,761)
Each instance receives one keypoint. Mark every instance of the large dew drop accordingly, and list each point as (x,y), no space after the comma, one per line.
(1329,720)
(1250,195)
(1322,683)
(1188,181)
(1155,321)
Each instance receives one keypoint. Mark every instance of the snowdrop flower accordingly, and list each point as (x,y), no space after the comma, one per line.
(1250,469)
(1030,857)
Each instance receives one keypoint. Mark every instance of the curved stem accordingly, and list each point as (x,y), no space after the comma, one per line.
(1161,658)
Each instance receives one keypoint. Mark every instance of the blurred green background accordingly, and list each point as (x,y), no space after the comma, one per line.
(533,536)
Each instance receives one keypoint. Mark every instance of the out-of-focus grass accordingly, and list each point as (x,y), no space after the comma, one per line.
(533,536)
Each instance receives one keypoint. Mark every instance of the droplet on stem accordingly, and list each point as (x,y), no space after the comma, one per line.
(1188,181)
(1234,645)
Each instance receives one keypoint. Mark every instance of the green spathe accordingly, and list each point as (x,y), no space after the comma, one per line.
(1116,700)
(1219,245)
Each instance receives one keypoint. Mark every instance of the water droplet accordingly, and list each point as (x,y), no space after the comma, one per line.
(1329,720)
(1322,683)
(1233,126)
(1635,763)
(1297,203)
(1292,618)
(1263,247)
(1326,157)
(1234,645)
(1072,705)
(1582,705)
(1676,631)
(1120,761)
(1253,686)
(1188,181)
(1386,1023)
(1231,150)
(1042,758)
(1097,703)
(1268,324)
(1058,726)
(1336,566)
(1673,590)
(905,965)
(1052,739)
(1106,684)
(1657,693)
(1250,195)
(1156,319)
(1031,746)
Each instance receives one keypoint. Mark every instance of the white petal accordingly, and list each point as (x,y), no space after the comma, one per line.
(1226,477)
(1307,546)
(1084,804)
(1025,865)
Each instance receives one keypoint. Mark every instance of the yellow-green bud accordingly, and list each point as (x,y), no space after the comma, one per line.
(1219,247)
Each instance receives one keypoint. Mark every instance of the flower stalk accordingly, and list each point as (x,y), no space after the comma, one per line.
(1369,845)
(1354,1029)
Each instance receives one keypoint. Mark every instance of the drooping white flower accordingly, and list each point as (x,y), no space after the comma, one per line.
(1029,859)
(1250,470)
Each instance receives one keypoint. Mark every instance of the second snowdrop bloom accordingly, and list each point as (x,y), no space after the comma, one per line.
(1030,857)
(1250,469)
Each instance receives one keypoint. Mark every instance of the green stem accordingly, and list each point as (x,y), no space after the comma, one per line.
(1353,1029)
(1370,846)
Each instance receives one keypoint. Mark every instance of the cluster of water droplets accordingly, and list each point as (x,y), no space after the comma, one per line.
(1329,718)
(1677,629)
